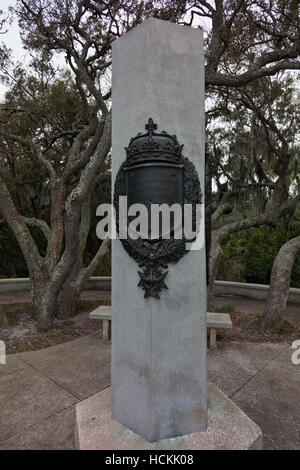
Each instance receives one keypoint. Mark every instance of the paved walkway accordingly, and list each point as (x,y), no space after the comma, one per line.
(39,390)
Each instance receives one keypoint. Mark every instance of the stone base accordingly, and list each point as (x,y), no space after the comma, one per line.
(229,428)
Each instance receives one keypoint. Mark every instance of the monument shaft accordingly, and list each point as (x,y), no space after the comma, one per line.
(159,385)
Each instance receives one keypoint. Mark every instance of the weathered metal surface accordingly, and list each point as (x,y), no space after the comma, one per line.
(156,172)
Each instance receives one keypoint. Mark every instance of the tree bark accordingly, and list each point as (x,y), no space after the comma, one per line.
(220,235)
(68,300)
(215,255)
(69,294)
(208,207)
(38,289)
(71,290)
(57,271)
(275,305)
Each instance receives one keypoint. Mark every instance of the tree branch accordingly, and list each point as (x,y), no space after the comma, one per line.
(101,253)
(222,209)
(221,79)
(20,230)
(36,149)
(40,224)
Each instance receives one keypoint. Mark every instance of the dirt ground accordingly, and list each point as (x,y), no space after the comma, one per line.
(19,330)
(246,327)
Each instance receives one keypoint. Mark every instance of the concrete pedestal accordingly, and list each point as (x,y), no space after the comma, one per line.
(229,428)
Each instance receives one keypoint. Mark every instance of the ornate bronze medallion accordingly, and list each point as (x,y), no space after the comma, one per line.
(156,172)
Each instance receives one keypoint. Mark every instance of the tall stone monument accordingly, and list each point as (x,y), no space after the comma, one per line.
(159,335)
(159,345)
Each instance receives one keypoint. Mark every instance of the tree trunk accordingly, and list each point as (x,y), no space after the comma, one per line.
(43,304)
(67,301)
(46,314)
(208,208)
(215,255)
(73,285)
(220,235)
(275,305)
(69,295)
(37,294)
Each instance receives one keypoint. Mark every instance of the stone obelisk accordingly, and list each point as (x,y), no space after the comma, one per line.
(159,384)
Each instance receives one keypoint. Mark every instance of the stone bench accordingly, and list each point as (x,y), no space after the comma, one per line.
(215,321)
(103,313)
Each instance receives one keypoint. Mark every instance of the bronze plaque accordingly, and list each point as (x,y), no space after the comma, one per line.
(156,172)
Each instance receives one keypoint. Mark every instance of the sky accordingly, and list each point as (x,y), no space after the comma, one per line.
(11,39)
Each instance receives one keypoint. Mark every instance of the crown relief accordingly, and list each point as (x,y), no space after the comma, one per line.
(163,145)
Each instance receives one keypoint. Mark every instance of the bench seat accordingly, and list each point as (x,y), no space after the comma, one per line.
(214,321)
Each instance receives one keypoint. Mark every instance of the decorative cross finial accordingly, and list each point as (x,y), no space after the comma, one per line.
(151,126)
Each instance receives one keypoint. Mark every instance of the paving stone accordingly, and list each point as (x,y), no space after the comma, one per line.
(271,399)
(53,433)
(275,390)
(13,364)
(26,398)
(55,352)
(233,363)
(82,371)
(285,360)
(37,413)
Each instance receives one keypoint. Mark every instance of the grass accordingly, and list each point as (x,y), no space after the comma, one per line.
(227,308)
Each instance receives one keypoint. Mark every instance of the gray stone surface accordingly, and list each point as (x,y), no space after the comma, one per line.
(214,320)
(55,432)
(218,320)
(26,398)
(38,391)
(260,405)
(101,313)
(35,358)
(254,291)
(159,346)
(227,288)
(234,364)
(87,371)
(228,428)
(31,421)
(23,284)
(13,364)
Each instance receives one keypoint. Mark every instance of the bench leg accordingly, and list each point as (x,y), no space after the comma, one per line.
(213,338)
(106,330)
